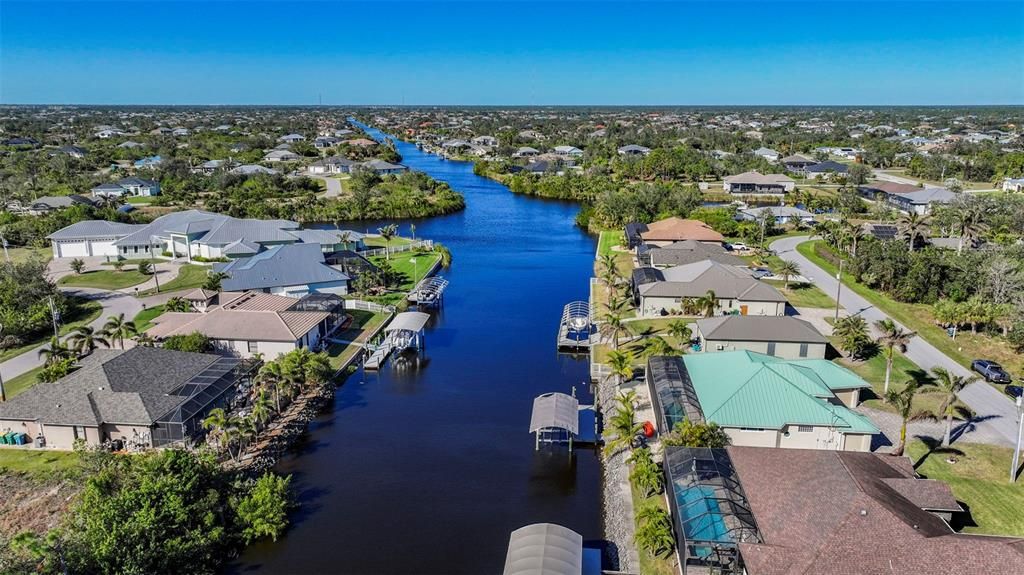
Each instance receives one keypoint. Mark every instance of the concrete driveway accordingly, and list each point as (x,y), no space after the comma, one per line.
(997,414)
(333,185)
(113,303)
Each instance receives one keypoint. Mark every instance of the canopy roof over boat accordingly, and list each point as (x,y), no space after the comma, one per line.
(555,410)
(544,549)
(408,321)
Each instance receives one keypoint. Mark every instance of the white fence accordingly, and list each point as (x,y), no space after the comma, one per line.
(418,244)
(368,306)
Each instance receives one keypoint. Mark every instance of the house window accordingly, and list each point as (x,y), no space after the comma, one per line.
(79,432)
(803,350)
(771,348)
(253,346)
(752,429)
(804,428)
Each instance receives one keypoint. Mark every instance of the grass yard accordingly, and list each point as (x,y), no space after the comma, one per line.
(144,319)
(88,311)
(979,479)
(190,276)
(410,272)
(623,259)
(16,385)
(918,318)
(363,324)
(38,462)
(105,279)
(140,200)
(903,370)
(130,263)
(19,255)
(378,242)
(803,294)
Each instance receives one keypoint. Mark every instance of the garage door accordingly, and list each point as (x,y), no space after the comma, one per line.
(76,249)
(103,248)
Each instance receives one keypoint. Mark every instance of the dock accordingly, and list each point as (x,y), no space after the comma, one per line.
(404,332)
(429,292)
(559,418)
(576,328)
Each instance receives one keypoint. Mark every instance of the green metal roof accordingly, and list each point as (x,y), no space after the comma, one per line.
(747,389)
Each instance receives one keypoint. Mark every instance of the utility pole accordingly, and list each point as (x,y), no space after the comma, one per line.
(6,254)
(839,287)
(1020,432)
(152,255)
(3,392)
(55,316)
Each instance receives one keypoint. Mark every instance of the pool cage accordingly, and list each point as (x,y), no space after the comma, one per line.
(214,387)
(710,512)
(672,392)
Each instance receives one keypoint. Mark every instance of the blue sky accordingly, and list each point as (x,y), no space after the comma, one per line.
(268,52)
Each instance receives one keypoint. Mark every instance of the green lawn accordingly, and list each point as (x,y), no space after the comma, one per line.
(105,279)
(16,385)
(378,242)
(803,294)
(19,255)
(363,324)
(129,263)
(410,272)
(88,311)
(38,462)
(918,318)
(144,319)
(139,200)
(979,479)
(190,276)
(903,370)
(609,239)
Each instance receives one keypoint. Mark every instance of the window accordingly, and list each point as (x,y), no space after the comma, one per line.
(79,432)
(253,346)
(805,428)
(751,429)
(803,350)
(771,348)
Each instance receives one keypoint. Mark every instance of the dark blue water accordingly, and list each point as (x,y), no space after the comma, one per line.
(426,470)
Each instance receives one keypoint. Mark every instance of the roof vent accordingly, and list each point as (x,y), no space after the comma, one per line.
(863,512)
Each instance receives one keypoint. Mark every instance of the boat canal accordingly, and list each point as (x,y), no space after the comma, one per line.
(426,467)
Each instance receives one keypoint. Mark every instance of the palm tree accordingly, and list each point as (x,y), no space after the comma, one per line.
(86,339)
(968,226)
(613,326)
(658,346)
(622,426)
(261,407)
(178,304)
(55,353)
(852,332)
(621,364)
(645,474)
(216,422)
(913,226)
(893,337)
(681,331)
(117,329)
(273,376)
(387,232)
(144,339)
(609,276)
(787,269)
(855,233)
(903,402)
(214,280)
(706,305)
(654,530)
(950,386)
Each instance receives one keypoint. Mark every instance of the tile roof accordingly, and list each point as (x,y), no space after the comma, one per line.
(678,229)
(239,324)
(282,265)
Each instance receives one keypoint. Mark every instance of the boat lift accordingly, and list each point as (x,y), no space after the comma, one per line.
(404,332)
(576,328)
(559,418)
(429,292)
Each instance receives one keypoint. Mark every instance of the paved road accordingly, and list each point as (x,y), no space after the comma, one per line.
(885,177)
(113,303)
(997,416)
(333,185)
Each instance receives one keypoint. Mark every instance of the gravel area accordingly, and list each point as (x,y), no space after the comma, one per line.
(621,553)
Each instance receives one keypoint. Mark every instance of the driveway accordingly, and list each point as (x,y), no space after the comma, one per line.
(333,185)
(113,303)
(996,414)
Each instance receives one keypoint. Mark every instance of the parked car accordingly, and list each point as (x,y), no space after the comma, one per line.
(737,247)
(759,273)
(991,371)
(1014,391)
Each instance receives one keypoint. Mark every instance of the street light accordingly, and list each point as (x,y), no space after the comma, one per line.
(839,287)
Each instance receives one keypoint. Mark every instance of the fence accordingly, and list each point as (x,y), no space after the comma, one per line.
(416,245)
(368,306)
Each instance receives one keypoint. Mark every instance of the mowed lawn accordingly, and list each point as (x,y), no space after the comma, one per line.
(38,462)
(903,370)
(803,294)
(919,318)
(144,319)
(105,279)
(19,384)
(19,255)
(980,479)
(190,276)
(410,271)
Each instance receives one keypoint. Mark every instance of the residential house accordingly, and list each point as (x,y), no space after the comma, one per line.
(381,168)
(797,163)
(130,144)
(289,270)
(767,153)
(47,204)
(90,238)
(148,162)
(332,165)
(661,292)
(781,215)
(633,150)
(361,142)
(180,132)
(485,141)
(825,169)
(243,324)
(130,186)
(920,201)
(71,151)
(526,152)
(210,167)
(109,133)
(762,401)
(281,156)
(674,229)
(1013,185)
(324,142)
(253,169)
(144,397)
(753,183)
(292,138)
(778,336)
(683,253)
(568,151)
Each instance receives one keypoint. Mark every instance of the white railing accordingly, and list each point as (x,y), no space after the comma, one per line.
(368,306)
(418,244)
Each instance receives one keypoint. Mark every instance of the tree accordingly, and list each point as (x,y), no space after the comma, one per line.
(194,342)
(654,531)
(388,232)
(178,304)
(261,407)
(264,511)
(892,338)
(622,427)
(657,345)
(903,402)
(645,474)
(117,329)
(689,434)
(273,376)
(613,326)
(852,332)
(913,226)
(55,370)
(145,268)
(858,174)
(621,365)
(216,423)
(85,339)
(706,305)
(681,331)
(968,225)
(950,386)
(55,353)
(787,269)
(609,273)
(77,265)
(118,265)
(213,280)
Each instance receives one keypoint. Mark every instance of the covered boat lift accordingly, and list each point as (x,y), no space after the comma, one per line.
(559,418)
(544,549)
(576,327)
(404,332)
(429,292)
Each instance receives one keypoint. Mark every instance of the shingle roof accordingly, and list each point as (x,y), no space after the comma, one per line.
(759,328)
(836,512)
(678,229)
(728,282)
(828,166)
(111,386)
(747,389)
(283,265)
(755,177)
(690,252)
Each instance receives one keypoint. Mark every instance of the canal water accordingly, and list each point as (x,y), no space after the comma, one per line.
(426,469)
